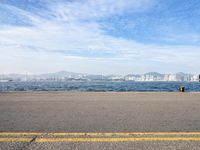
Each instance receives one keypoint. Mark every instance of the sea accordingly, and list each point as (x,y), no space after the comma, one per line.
(100,86)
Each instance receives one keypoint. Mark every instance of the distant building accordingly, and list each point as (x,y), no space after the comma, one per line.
(172,77)
(5,80)
(129,78)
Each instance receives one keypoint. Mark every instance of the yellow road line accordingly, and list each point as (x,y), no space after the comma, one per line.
(21,133)
(43,140)
(96,134)
(124,133)
(15,139)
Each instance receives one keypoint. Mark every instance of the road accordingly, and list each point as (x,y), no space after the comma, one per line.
(95,120)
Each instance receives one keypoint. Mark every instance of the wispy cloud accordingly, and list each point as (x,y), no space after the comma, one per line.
(71,35)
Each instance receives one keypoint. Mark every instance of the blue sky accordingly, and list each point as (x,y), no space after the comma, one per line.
(99,36)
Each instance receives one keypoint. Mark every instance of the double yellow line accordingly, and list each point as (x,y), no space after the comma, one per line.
(98,137)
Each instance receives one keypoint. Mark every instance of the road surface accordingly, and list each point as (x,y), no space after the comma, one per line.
(95,120)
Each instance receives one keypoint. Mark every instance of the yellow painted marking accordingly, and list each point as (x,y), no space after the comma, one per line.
(15,139)
(100,137)
(124,133)
(42,140)
(97,134)
(21,133)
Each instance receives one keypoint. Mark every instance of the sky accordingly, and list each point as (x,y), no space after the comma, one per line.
(99,36)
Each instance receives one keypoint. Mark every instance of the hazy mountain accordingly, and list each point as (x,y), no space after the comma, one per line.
(153,74)
(61,74)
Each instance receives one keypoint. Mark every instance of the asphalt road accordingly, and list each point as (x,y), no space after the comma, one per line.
(67,112)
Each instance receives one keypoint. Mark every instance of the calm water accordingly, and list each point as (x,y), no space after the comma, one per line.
(98,86)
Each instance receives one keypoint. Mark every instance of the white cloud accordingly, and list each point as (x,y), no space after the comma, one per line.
(68,30)
(95,9)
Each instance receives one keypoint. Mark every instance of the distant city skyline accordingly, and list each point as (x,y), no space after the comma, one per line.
(65,76)
(99,36)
